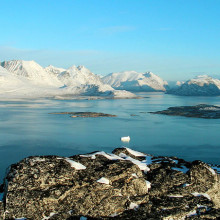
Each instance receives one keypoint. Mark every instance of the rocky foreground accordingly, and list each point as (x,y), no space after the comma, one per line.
(197,111)
(125,184)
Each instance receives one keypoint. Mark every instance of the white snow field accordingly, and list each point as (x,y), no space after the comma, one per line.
(27,79)
(134,81)
(199,86)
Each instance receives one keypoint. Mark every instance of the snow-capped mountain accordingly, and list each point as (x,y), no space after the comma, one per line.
(80,80)
(134,81)
(199,86)
(31,71)
(28,78)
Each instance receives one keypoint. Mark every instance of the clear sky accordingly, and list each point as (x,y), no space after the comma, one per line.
(175,39)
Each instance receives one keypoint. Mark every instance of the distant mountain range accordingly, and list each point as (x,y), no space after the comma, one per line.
(134,81)
(28,79)
(20,78)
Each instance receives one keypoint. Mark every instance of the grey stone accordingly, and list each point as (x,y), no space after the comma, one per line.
(55,187)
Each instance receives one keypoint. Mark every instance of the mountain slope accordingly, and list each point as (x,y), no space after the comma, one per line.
(134,81)
(55,70)
(31,71)
(80,80)
(199,86)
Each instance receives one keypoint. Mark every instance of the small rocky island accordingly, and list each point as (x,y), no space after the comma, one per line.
(197,111)
(84,114)
(124,184)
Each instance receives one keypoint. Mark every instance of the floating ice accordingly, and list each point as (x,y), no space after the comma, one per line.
(125,139)
(76,165)
(103,180)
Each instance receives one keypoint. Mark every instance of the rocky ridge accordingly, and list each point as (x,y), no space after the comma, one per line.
(124,184)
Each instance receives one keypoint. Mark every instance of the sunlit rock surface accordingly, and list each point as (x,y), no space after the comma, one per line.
(125,184)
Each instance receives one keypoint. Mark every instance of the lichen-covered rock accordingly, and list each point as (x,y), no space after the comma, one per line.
(124,185)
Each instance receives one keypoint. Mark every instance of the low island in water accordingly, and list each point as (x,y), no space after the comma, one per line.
(197,111)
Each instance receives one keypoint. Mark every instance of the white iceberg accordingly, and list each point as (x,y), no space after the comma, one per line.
(125,139)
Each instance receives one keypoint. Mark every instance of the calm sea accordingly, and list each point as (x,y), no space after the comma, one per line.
(27,128)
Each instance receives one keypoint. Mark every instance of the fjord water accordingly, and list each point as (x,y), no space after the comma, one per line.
(27,128)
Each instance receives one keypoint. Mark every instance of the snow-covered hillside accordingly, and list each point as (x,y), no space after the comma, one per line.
(55,70)
(134,81)
(80,80)
(29,79)
(199,86)
(31,71)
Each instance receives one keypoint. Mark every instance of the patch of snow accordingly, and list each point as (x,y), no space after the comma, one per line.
(133,206)
(140,164)
(201,194)
(38,159)
(134,175)
(108,156)
(47,217)
(175,196)
(76,165)
(216,168)
(135,153)
(186,184)
(125,139)
(103,180)
(211,170)
(192,213)
(113,215)
(148,184)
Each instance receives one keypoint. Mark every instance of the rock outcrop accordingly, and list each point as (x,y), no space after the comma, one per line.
(197,111)
(125,184)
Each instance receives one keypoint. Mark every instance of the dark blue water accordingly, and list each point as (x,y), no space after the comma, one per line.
(27,129)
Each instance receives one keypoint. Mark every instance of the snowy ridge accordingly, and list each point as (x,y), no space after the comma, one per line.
(199,86)
(134,81)
(32,71)
(55,70)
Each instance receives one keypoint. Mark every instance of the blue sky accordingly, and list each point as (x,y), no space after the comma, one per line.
(175,39)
